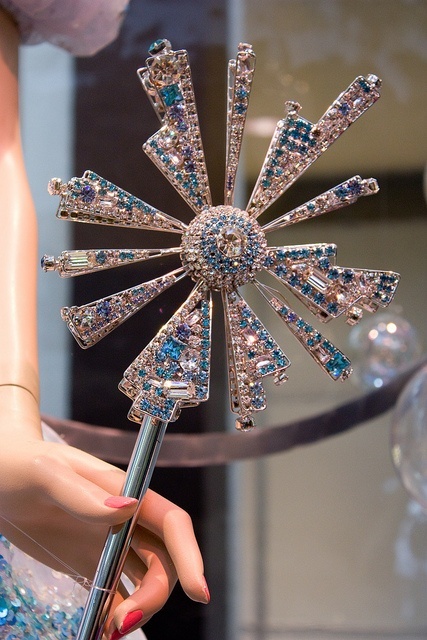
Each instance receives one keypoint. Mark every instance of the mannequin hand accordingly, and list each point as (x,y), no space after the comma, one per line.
(52,497)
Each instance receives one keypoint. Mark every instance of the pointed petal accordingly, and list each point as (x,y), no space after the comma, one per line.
(96,200)
(252,354)
(327,356)
(91,322)
(176,149)
(240,77)
(340,196)
(81,262)
(309,271)
(172,371)
(297,143)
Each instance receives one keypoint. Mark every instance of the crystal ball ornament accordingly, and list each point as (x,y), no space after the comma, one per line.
(409,437)
(383,346)
(223,247)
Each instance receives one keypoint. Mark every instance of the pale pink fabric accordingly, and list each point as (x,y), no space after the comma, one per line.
(82,27)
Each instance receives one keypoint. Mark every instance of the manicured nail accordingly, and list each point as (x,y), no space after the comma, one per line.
(130,620)
(116,635)
(206,591)
(118,502)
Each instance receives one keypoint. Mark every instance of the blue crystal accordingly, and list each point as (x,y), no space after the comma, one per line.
(171,94)
(157,46)
(88,193)
(3,608)
(258,402)
(337,365)
(103,309)
(240,108)
(347,276)
(126,255)
(365,86)
(183,331)
(319,298)
(201,392)
(355,187)
(101,257)
(281,270)
(177,110)
(145,405)
(242,93)
(341,192)
(332,307)
(173,348)
(333,274)
(182,125)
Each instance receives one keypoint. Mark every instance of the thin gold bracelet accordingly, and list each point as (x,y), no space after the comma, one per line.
(20,386)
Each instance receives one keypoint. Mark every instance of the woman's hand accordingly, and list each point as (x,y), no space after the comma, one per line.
(58,502)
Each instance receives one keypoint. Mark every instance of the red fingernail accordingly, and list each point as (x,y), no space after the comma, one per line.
(207,594)
(118,502)
(116,635)
(130,620)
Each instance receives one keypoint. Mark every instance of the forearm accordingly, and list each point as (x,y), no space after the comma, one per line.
(18,236)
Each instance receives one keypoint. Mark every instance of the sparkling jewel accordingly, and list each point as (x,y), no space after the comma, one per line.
(54,186)
(245,424)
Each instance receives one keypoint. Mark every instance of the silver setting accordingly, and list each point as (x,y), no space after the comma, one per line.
(240,77)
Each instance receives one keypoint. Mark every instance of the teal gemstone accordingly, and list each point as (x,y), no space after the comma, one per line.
(173,348)
(337,365)
(171,94)
(157,46)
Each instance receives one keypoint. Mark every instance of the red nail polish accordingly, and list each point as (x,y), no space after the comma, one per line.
(116,635)
(207,594)
(118,502)
(130,620)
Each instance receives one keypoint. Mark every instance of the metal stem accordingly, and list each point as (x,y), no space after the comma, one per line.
(118,540)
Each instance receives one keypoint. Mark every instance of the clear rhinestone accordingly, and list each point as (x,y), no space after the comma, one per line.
(231,242)
(189,360)
(54,186)
(245,423)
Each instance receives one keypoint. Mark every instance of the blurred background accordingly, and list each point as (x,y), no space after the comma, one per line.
(321,541)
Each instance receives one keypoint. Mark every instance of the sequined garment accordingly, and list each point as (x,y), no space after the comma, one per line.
(36,603)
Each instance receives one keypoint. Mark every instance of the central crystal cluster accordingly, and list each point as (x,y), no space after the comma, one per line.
(224,247)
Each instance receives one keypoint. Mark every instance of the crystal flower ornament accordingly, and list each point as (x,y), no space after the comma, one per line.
(223,247)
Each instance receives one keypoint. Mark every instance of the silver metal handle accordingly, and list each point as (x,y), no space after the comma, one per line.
(118,540)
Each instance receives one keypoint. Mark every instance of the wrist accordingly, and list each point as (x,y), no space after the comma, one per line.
(13,385)
(19,413)
(20,375)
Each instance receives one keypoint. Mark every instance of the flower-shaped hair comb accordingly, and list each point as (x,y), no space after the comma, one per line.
(223,247)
